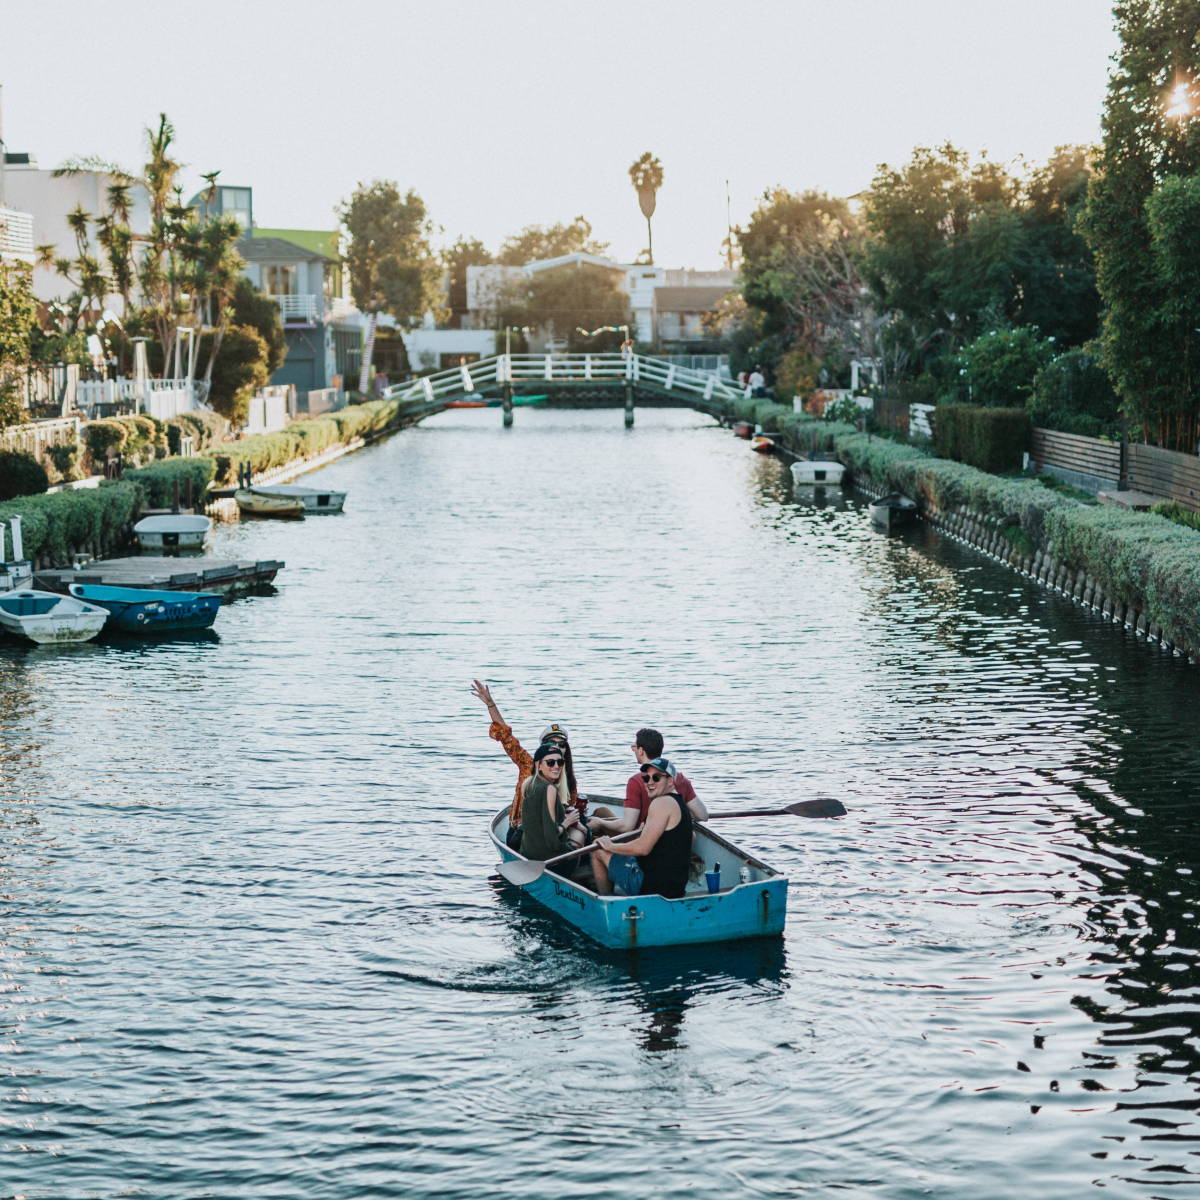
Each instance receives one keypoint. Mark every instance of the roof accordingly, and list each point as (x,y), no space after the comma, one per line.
(595,260)
(273,249)
(689,299)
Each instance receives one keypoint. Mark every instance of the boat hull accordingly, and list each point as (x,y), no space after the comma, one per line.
(807,472)
(893,511)
(145,613)
(745,910)
(176,531)
(315,500)
(743,429)
(48,618)
(254,504)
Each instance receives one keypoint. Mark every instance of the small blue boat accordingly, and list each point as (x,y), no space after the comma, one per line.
(135,610)
(752,904)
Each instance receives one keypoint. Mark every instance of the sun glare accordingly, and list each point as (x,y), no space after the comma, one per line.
(1179,102)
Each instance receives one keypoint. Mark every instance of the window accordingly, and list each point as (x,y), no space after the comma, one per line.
(279,280)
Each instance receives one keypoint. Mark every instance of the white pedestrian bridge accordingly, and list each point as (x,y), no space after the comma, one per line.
(583,380)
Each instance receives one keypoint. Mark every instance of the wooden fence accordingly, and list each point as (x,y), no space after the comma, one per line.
(1166,474)
(1091,457)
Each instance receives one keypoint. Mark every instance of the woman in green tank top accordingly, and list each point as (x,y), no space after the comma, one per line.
(549,823)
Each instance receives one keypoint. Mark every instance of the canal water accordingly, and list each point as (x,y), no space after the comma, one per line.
(253,944)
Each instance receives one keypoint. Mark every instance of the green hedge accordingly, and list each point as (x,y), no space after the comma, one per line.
(207,428)
(302,439)
(157,481)
(21,474)
(95,520)
(992,439)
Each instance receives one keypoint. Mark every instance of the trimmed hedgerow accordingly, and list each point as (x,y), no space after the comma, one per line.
(992,439)
(157,481)
(101,436)
(21,474)
(95,520)
(303,439)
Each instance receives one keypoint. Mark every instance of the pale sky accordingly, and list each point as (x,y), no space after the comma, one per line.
(503,115)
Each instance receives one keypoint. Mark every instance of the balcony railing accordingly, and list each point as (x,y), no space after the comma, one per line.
(16,234)
(302,308)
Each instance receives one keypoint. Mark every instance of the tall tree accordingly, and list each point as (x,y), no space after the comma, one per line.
(646,176)
(573,300)
(1151,137)
(392,268)
(18,319)
(536,242)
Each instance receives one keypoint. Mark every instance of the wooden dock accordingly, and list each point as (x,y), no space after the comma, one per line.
(187,573)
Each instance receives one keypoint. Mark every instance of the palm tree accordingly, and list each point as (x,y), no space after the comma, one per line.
(647,177)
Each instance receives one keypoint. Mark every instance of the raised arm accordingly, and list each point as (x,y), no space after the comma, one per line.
(481,691)
(502,731)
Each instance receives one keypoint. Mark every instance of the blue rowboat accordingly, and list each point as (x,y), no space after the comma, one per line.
(752,909)
(135,610)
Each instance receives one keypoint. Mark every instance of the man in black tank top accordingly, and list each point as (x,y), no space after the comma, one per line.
(664,846)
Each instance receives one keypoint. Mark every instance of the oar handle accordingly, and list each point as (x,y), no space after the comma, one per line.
(623,837)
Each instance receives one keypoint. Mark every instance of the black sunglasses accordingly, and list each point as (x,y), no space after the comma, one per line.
(553,762)
(653,776)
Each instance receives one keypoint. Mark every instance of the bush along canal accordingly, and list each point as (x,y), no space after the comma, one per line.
(1139,570)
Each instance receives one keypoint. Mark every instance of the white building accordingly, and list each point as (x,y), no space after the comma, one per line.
(49,200)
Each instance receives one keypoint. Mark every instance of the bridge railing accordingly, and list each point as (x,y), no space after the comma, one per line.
(528,368)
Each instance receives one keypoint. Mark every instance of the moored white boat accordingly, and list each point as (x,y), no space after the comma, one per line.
(48,618)
(315,500)
(809,471)
(183,530)
(254,503)
(756,907)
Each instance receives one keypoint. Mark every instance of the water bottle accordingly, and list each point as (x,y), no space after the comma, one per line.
(744,875)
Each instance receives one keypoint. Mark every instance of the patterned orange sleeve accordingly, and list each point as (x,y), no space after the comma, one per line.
(503,734)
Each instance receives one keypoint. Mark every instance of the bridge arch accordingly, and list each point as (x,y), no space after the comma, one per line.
(583,380)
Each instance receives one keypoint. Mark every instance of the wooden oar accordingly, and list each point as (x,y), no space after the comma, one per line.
(802,808)
(524,871)
(827,807)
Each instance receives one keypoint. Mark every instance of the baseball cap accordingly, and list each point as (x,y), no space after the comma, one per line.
(665,765)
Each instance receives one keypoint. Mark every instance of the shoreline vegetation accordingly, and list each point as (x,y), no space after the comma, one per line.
(96,520)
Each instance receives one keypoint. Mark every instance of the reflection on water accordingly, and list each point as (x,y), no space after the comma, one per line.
(253,942)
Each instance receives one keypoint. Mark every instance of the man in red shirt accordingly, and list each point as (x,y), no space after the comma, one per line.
(647,744)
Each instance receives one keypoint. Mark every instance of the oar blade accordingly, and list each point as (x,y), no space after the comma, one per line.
(521,872)
(825,807)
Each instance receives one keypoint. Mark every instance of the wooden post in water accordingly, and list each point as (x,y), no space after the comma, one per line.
(507,405)
(628,404)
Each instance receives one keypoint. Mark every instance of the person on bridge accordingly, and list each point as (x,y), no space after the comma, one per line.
(758,384)
(663,849)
